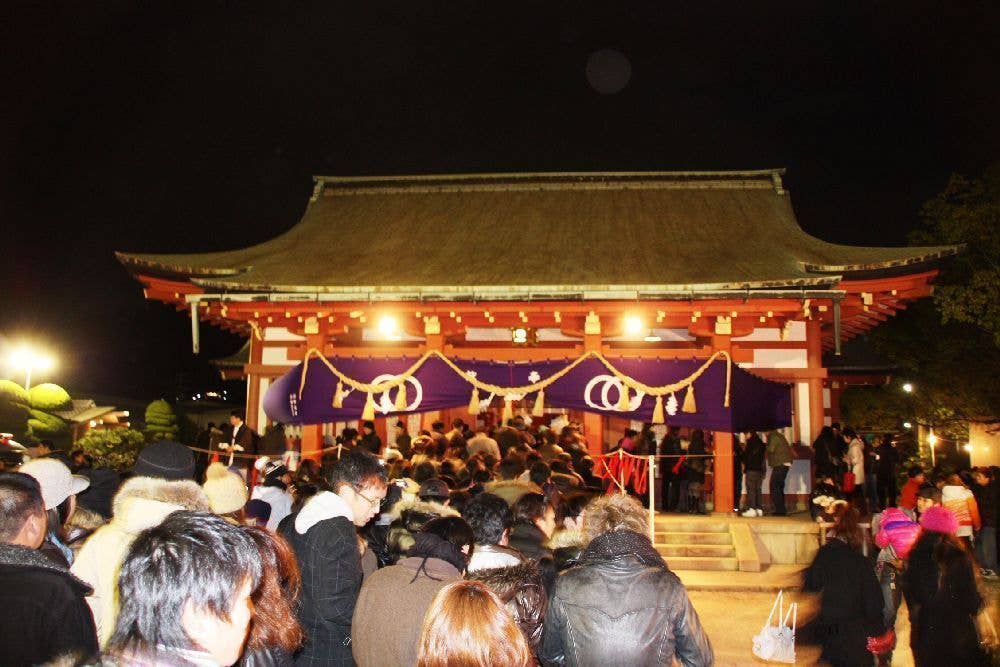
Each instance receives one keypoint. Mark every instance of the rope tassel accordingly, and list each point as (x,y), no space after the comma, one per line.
(401,400)
(474,402)
(539,408)
(369,412)
(508,412)
(689,404)
(338,396)
(623,402)
(658,416)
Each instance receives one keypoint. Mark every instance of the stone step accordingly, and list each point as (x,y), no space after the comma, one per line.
(701,563)
(692,538)
(697,550)
(692,526)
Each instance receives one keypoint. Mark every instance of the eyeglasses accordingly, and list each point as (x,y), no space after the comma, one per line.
(374,502)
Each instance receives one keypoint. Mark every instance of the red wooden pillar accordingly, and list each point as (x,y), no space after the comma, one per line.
(253,386)
(814,357)
(723,469)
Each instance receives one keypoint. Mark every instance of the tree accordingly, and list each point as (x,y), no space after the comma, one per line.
(968,212)
(28,413)
(115,448)
(161,422)
(48,397)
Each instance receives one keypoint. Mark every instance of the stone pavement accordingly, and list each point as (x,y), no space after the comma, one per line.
(732,617)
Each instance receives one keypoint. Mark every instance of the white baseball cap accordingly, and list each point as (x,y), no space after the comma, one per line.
(57,482)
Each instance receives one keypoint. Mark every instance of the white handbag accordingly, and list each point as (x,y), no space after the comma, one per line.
(776,643)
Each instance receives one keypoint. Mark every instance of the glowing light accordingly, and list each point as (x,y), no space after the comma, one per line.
(519,336)
(932,439)
(387,327)
(907,425)
(967,447)
(908,387)
(634,325)
(93,423)
(29,361)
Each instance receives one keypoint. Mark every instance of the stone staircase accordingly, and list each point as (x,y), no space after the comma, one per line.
(696,543)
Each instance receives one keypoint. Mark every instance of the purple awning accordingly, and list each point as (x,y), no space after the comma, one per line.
(755,403)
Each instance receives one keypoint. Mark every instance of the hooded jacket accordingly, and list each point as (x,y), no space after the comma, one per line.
(520,588)
(405,521)
(45,616)
(325,542)
(141,503)
(897,530)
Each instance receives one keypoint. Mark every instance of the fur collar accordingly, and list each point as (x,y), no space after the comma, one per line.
(567,538)
(324,505)
(143,502)
(420,506)
(12,555)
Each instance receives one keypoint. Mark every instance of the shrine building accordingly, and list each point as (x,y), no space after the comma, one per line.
(539,266)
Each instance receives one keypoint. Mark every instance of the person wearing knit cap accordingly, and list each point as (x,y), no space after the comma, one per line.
(920,578)
(165,459)
(274,490)
(59,489)
(226,491)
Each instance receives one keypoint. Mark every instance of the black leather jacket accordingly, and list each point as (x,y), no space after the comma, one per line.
(619,611)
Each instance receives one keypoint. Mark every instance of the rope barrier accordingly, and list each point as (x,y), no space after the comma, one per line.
(257,456)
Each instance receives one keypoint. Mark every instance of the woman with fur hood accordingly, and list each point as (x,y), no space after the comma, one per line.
(141,503)
(408,518)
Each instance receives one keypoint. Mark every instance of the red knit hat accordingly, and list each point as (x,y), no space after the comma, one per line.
(939,520)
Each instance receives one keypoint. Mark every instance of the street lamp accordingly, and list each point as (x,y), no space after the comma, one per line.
(908,387)
(932,441)
(27,360)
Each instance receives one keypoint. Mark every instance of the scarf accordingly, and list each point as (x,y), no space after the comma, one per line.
(622,544)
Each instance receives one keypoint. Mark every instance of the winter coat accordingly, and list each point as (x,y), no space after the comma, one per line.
(962,503)
(987,500)
(266,657)
(487,556)
(566,546)
(779,452)
(920,578)
(280,501)
(851,608)
(888,461)
(407,519)
(619,610)
(521,590)
(371,442)
(945,631)
(670,446)
(856,460)
(45,613)
(753,455)
(695,465)
(897,530)
(483,443)
(530,540)
(141,503)
(396,597)
(323,536)
(511,490)
(826,460)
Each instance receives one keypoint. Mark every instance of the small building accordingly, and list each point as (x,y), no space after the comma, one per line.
(657,265)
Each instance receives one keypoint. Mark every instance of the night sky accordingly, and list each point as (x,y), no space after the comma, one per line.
(179,127)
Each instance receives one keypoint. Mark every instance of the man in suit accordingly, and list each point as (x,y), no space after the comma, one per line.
(242,436)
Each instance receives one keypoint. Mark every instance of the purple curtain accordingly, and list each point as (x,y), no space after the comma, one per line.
(754,402)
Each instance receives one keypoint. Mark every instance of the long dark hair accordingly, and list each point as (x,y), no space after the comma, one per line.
(847,529)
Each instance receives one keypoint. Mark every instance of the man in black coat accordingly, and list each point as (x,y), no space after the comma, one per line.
(46,616)
(324,536)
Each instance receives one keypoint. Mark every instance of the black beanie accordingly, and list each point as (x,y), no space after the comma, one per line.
(165,459)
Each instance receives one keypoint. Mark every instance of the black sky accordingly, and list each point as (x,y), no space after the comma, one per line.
(178,127)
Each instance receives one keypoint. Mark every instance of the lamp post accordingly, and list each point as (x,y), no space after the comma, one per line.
(27,360)
(932,441)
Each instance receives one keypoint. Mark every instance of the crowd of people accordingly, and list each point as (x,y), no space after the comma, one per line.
(460,546)
(454,547)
